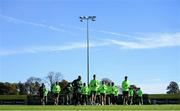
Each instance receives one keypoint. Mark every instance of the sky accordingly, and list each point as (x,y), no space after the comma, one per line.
(137,38)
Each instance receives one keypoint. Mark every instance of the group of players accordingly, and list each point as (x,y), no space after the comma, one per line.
(95,93)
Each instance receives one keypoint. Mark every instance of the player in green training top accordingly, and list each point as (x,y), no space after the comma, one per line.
(103,89)
(77,84)
(116,94)
(113,92)
(94,84)
(131,95)
(108,94)
(140,94)
(43,91)
(68,92)
(84,92)
(125,89)
(89,94)
(56,90)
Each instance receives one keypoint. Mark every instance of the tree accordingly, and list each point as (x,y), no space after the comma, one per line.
(63,84)
(32,85)
(21,88)
(106,80)
(173,88)
(8,88)
(53,77)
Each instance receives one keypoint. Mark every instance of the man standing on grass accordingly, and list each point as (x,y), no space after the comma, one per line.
(84,92)
(43,91)
(98,96)
(103,89)
(77,84)
(125,89)
(94,84)
(89,95)
(108,94)
(131,95)
(140,94)
(116,94)
(68,93)
(56,90)
(113,92)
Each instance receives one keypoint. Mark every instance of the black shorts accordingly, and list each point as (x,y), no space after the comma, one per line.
(125,93)
(103,94)
(56,95)
(41,96)
(93,92)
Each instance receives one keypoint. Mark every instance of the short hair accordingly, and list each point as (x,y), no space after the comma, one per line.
(94,75)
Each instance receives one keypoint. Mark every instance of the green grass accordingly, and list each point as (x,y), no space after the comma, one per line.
(116,107)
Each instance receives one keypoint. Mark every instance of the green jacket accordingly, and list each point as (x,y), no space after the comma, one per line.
(56,89)
(45,91)
(109,90)
(84,90)
(114,90)
(131,92)
(140,93)
(103,88)
(125,85)
(94,84)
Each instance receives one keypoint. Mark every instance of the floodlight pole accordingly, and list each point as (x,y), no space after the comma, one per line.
(82,18)
(87,52)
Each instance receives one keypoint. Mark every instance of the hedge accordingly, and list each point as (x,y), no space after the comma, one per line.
(164,96)
(13,97)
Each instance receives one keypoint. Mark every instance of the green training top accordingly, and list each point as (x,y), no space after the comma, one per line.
(94,84)
(45,91)
(103,88)
(113,90)
(109,90)
(125,85)
(131,92)
(98,91)
(139,92)
(116,91)
(56,89)
(84,90)
(89,90)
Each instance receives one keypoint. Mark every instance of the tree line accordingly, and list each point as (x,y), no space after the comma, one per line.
(32,84)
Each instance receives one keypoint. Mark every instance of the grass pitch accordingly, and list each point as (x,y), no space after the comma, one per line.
(113,107)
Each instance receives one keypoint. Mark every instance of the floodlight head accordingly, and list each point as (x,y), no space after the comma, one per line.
(84,17)
(80,17)
(81,20)
(89,17)
(93,18)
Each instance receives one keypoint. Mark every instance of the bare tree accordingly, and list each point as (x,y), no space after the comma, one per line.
(32,85)
(53,77)
(106,80)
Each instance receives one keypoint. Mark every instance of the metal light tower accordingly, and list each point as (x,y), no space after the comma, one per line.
(87,18)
